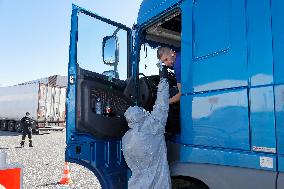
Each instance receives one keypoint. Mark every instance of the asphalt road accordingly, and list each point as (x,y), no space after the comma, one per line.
(43,164)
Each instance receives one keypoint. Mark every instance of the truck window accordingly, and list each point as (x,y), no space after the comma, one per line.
(90,34)
(165,32)
(148,60)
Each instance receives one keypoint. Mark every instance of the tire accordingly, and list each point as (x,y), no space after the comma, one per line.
(4,125)
(11,126)
(187,184)
(18,127)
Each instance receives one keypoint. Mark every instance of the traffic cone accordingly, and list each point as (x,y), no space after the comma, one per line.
(66,179)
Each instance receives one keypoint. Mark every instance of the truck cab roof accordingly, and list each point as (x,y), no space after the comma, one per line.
(151,8)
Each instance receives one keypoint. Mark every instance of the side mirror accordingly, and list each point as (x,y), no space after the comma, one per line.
(110,50)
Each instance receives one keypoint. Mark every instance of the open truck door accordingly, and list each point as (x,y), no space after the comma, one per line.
(98,95)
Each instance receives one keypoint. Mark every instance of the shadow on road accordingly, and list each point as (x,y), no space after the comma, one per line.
(49,184)
(8,133)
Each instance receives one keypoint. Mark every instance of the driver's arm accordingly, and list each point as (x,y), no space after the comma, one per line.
(176,98)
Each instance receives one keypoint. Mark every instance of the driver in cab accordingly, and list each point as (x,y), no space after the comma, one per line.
(172,60)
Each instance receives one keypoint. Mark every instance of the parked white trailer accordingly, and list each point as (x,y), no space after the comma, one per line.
(46,104)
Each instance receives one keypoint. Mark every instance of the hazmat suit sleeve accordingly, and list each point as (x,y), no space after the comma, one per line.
(155,123)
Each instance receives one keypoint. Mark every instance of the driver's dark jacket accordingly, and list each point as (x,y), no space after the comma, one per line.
(27,123)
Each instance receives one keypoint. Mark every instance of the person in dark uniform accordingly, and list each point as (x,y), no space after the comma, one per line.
(27,129)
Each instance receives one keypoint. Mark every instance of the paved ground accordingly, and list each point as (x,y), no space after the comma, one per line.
(43,164)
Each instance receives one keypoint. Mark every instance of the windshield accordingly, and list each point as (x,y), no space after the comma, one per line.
(91,33)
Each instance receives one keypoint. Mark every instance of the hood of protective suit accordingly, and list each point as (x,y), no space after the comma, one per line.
(135,116)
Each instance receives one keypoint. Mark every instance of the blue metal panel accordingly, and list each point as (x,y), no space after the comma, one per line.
(83,151)
(228,157)
(211,33)
(262,120)
(279,115)
(103,157)
(72,76)
(222,60)
(186,49)
(281,163)
(259,42)
(277,7)
(217,119)
(151,8)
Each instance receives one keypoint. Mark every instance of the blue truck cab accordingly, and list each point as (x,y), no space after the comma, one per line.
(228,132)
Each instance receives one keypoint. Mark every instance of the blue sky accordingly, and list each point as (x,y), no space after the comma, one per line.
(34,34)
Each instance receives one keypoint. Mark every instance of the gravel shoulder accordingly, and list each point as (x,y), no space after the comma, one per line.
(43,163)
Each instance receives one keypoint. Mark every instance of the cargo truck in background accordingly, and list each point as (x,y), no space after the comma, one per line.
(43,98)
(231,131)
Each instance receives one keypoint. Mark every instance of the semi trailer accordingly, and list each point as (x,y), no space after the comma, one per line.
(45,103)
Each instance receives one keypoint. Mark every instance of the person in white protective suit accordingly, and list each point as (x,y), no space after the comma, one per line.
(144,146)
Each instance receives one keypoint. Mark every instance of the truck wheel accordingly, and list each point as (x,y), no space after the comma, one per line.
(18,127)
(4,126)
(11,126)
(181,183)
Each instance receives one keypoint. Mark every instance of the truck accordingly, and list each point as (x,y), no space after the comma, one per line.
(43,100)
(231,131)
